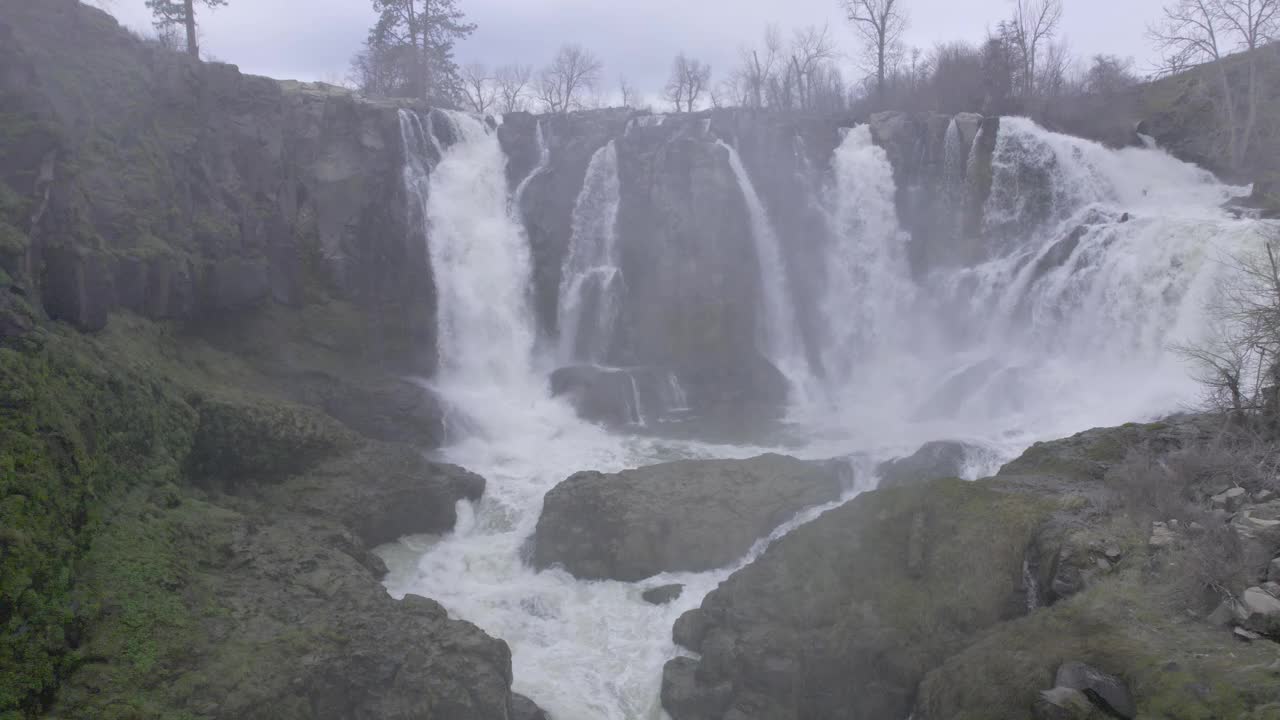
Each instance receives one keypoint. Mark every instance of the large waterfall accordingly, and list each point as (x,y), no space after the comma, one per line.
(1095,262)
(592,284)
(1092,262)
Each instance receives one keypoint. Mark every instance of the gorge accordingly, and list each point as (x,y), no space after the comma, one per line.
(252,332)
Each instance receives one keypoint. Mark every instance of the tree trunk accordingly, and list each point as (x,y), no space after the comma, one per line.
(880,68)
(193,44)
(1229,108)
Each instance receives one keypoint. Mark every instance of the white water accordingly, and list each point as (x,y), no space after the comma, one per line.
(869,290)
(591,284)
(544,160)
(995,353)
(1042,338)
(779,330)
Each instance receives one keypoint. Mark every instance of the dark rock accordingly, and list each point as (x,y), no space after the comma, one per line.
(800,633)
(933,461)
(683,696)
(1063,704)
(384,492)
(689,515)
(1105,691)
(663,594)
(522,708)
(690,629)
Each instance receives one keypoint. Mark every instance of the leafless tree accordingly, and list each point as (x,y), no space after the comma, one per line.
(688,81)
(1194,32)
(572,75)
(479,88)
(512,83)
(1055,73)
(881,23)
(811,47)
(1034,24)
(628,92)
(1239,365)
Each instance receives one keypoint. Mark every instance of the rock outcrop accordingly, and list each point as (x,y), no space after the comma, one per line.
(933,461)
(844,616)
(178,189)
(690,515)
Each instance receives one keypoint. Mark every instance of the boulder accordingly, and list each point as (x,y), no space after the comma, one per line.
(803,632)
(1105,691)
(383,492)
(1260,611)
(933,461)
(1231,499)
(685,516)
(522,708)
(662,594)
(1062,703)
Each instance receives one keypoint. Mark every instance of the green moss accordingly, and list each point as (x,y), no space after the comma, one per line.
(71,431)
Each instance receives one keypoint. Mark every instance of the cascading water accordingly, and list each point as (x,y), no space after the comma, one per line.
(544,159)
(1097,260)
(581,650)
(591,284)
(869,289)
(779,332)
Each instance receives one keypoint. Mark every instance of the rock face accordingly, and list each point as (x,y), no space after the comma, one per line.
(196,189)
(845,615)
(690,515)
(1105,691)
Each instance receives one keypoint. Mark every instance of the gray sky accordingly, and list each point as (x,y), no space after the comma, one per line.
(635,38)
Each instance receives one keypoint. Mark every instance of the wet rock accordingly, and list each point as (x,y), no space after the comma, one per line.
(801,633)
(663,594)
(933,461)
(1273,570)
(522,708)
(384,492)
(1264,496)
(684,697)
(1245,635)
(690,515)
(1105,691)
(690,629)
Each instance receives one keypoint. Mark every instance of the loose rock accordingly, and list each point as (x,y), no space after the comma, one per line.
(663,594)
(1105,691)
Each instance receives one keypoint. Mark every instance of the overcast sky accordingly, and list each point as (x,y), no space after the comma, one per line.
(315,39)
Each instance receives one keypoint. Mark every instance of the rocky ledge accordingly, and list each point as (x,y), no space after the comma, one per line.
(690,515)
(1105,575)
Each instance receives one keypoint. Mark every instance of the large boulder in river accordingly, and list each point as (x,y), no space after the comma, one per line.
(933,461)
(690,515)
(845,615)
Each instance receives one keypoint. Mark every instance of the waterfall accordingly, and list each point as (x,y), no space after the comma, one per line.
(591,283)
(779,332)
(544,160)
(868,286)
(480,261)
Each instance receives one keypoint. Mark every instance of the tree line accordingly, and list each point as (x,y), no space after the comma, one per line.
(409,52)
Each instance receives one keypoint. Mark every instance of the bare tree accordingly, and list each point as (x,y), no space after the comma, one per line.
(881,23)
(811,47)
(1034,24)
(512,83)
(478,87)
(1240,364)
(571,75)
(1055,71)
(628,92)
(1194,32)
(688,81)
